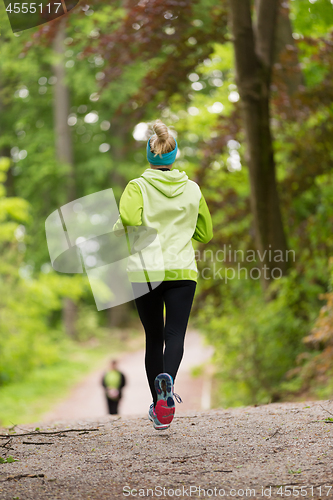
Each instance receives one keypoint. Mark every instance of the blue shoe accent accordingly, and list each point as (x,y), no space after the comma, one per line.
(150,412)
(170,402)
(164,388)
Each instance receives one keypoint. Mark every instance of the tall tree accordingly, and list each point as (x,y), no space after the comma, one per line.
(254,55)
(64,147)
(118,316)
(285,51)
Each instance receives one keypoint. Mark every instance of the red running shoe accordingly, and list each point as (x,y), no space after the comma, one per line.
(165,406)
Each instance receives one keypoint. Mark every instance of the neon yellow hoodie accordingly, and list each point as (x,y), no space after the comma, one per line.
(170,203)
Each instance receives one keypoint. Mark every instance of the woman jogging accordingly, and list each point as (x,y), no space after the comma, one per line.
(167,201)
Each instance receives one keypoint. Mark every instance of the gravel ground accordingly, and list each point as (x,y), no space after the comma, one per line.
(274,451)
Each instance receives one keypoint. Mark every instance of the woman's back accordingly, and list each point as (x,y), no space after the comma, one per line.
(168,202)
(170,206)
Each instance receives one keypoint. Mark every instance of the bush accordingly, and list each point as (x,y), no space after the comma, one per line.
(257,340)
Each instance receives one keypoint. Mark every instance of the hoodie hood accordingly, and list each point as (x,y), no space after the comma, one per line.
(170,183)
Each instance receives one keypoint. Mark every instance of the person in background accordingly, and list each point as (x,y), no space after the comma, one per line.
(113,382)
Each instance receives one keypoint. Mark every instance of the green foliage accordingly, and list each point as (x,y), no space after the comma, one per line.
(313,371)
(256,340)
(313,18)
(148,73)
(27,339)
(259,339)
(8,460)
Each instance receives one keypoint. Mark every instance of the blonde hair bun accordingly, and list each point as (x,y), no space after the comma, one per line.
(161,130)
(162,142)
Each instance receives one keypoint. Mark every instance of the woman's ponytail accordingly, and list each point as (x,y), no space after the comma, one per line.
(162,142)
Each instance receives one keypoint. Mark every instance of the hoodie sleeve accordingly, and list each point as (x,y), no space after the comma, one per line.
(130,207)
(204,228)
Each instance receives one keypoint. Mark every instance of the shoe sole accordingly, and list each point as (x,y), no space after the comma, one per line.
(165,406)
(158,427)
(161,427)
(163,412)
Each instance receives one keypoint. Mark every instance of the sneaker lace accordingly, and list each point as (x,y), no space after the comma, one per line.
(177,398)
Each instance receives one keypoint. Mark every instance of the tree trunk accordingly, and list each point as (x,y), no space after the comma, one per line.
(5,148)
(254,52)
(69,317)
(119,131)
(284,46)
(61,107)
(118,316)
(64,149)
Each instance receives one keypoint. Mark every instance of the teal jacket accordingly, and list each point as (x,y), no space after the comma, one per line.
(174,206)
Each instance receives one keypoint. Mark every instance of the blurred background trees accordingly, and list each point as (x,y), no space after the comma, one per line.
(77,97)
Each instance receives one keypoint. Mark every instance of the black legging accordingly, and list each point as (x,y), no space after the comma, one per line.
(113,406)
(177,297)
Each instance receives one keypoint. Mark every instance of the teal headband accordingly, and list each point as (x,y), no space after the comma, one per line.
(164,159)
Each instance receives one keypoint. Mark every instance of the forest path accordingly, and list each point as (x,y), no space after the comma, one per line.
(274,451)
(87,399)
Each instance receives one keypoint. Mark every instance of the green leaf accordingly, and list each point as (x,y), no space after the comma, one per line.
(8,460)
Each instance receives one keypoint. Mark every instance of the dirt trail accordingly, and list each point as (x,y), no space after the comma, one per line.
(87,398)
(270,451)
